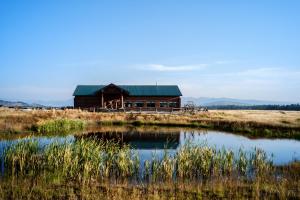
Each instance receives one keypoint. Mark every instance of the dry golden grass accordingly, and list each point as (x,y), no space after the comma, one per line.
(290,118)
(41,189)
(14,120)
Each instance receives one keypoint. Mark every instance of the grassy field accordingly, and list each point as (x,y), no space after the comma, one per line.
(274,124)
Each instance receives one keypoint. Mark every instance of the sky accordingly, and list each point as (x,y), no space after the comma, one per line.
(210,48)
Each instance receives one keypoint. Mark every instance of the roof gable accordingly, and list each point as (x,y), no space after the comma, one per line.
(113,88)
(84,90)
(133,90)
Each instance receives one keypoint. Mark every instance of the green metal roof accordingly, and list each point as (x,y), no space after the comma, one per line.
(133,90)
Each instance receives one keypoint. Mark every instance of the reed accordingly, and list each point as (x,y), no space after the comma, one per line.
(86,159)
(22,157)
(89,162)
(41,189)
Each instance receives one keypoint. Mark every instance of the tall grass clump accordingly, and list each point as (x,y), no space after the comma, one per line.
(22,157)
(260,164)
(84,160)
(59,126)
(78,160)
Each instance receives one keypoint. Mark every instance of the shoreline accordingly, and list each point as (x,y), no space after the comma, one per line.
(261,124)
(252,129)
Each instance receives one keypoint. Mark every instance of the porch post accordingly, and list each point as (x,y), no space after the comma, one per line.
(102,100)
(122,101)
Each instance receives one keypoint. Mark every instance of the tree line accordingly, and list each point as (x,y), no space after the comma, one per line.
(291,107)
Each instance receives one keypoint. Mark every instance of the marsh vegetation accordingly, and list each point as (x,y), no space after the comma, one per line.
(270,124)
(58,126)
(92,168)
(198,171)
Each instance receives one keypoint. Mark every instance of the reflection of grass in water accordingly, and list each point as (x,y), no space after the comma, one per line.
(91,162)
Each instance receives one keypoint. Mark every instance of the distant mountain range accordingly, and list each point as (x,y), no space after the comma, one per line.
(201,101)
(206,101)
(68,102)
(18,104)
(31,103)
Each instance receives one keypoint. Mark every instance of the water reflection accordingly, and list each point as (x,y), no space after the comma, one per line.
(147,141)
(282,151)
(139,140)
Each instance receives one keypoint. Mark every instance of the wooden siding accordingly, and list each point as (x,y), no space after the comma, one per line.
(95,101)
(87,101)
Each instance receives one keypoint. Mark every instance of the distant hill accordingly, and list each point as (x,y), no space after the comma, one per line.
(206,101)
(224,103)
(37,103)
(18,104)
(63,103)
(201,101)
(13,103)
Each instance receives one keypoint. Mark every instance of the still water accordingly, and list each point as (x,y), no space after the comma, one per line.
(155,141)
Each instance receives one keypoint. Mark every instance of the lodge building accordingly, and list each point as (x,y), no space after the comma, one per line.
(128,97)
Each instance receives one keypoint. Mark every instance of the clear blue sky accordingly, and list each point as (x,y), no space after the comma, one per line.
(239,49)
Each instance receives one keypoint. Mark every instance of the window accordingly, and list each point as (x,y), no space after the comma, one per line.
(163,104)
(173,104)
(138,104)
(150,104)
(128,104)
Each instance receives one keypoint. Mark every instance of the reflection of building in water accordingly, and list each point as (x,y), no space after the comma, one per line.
(139,140)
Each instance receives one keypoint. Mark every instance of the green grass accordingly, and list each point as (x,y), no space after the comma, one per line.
(250,129)
(59,126)
(42,189)
(249,123)
(84,159)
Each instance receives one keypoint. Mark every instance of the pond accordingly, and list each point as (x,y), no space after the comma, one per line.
(149,141)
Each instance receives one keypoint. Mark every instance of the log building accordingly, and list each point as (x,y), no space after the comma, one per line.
(128,97)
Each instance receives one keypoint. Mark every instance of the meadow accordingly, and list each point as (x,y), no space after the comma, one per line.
(252,123)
